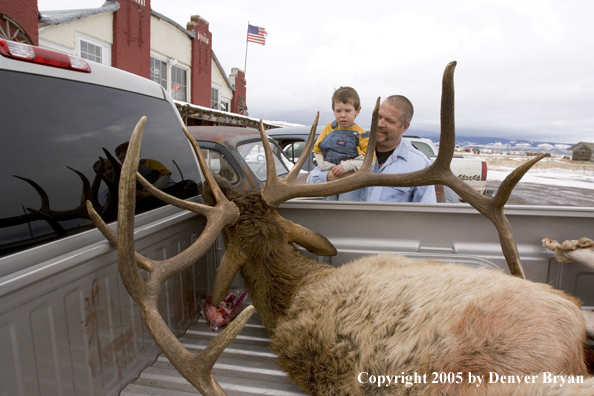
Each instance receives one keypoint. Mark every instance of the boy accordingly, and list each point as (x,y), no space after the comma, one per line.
(341,146)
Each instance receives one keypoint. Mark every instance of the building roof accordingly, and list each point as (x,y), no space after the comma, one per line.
(206,113)
(589,145)
(62,16)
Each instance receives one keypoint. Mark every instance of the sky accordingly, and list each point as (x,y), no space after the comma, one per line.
(525,68)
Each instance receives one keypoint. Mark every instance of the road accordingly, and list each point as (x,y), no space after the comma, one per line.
(540,194)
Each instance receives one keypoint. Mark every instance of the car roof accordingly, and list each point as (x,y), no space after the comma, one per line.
(289,132)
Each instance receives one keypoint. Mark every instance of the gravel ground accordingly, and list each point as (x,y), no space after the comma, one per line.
(526,193)
(540,194)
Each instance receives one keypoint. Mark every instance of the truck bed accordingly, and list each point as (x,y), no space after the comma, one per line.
(246,367)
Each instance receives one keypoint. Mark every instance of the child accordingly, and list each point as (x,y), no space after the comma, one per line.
(341,146)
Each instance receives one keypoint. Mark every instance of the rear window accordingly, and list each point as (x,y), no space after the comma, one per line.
(423,148)
(51,129)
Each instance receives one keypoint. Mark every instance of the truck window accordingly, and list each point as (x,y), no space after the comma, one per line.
(424,148)
(52,129)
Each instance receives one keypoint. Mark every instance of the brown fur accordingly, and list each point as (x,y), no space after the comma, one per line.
(387,315)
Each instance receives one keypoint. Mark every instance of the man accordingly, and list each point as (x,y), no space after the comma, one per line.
(393,156)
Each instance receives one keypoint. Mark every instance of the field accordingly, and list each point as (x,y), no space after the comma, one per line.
(551,181)
(495,161)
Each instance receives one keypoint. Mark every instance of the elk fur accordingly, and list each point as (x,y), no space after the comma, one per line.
(387,314)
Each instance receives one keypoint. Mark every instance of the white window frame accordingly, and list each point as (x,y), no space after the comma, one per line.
(225,105)
(106,47)
(218,101)
(167,73)
(187,80)
(170,62)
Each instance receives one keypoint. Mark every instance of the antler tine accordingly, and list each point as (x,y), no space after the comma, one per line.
(370,152)
(308,147)
(272,180)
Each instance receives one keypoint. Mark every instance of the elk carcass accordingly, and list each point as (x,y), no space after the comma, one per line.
(335,329)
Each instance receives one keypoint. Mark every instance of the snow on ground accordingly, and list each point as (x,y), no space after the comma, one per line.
(551,177)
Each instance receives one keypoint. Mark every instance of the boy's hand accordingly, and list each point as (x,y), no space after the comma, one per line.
(338,170)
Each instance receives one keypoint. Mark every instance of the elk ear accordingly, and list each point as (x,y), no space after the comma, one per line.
(231,262)
(310,240)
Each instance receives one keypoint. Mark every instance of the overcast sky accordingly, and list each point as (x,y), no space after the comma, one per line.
(525,67)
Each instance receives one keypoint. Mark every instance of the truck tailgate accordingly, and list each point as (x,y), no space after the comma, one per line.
(246,367)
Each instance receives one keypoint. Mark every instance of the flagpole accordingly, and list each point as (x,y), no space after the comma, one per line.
(246,49)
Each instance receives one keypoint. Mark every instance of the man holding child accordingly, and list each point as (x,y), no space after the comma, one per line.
(392,154)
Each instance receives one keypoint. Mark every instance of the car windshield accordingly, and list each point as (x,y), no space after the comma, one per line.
(253,154)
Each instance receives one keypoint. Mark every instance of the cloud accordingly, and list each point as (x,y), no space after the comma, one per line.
(524,68)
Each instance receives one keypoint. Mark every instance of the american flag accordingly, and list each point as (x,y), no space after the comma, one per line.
(256,34)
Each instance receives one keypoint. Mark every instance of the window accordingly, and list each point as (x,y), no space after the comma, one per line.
(179,83)
(70,130)
(91,51)
(219,166)
(293,150)
(214,98)
(159,72)
(253,154)
(423,148)
(225,105)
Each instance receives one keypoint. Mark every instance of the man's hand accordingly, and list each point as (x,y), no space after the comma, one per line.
(332,176)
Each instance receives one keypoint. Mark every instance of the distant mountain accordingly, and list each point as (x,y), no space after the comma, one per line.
(508,145)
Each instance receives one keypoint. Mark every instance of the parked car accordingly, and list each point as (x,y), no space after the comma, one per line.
(237,155)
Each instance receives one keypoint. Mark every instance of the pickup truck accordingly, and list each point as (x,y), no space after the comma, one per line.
(67,324)
(472,170)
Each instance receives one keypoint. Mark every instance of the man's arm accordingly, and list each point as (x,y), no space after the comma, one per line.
(317,176)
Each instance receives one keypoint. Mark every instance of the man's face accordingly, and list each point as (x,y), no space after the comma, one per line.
(345,114)
(390,129)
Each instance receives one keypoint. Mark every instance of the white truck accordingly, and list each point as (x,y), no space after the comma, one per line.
(67,324)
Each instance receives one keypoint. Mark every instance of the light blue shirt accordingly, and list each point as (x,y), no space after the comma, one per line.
(405,158)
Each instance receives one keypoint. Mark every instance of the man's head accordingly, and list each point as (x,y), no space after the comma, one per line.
(346,106)
(395,114)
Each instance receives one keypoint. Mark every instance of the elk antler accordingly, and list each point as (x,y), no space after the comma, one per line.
(277,191)
(196,368)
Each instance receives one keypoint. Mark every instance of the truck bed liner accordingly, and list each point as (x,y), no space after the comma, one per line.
(246,367)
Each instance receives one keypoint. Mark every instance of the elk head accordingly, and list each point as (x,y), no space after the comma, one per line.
(245,218)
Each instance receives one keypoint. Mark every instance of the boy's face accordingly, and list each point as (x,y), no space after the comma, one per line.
(345,114)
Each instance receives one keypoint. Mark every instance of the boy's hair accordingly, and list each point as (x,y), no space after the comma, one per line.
(402,103)
(346,95)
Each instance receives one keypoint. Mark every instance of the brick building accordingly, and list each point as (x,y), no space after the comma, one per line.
(129,35)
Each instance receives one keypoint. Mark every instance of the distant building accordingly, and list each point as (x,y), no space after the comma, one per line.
(129,35)
(583,152)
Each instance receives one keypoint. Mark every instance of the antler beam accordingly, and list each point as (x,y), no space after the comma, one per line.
(197,369)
